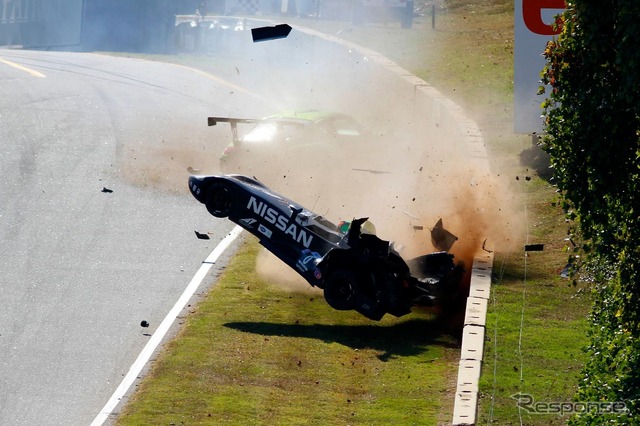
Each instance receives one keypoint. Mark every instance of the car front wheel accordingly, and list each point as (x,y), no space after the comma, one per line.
(218,200)
(341,289)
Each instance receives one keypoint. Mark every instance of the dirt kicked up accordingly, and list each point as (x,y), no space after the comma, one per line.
(404,176)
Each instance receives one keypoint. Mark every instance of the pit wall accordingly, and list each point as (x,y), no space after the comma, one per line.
(426,109)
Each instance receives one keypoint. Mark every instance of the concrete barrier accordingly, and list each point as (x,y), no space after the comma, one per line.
(473,337)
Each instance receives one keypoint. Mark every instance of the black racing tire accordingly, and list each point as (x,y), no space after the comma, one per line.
(218,201)
(341,289)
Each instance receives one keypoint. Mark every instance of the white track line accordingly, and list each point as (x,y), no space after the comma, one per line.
(22,68)
(162,330)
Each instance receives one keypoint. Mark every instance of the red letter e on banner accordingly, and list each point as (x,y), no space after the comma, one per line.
(532,15)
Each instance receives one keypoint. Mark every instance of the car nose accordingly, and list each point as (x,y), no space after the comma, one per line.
(197,188)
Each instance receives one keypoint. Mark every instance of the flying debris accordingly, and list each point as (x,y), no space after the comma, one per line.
(270,33)
(202,236)
(441,238)
(484,247)
(374,172)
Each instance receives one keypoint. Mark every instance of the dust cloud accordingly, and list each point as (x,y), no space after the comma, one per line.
(273,270)
(426,181)
(404,173)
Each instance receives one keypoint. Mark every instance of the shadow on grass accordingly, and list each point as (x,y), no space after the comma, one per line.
(408,338)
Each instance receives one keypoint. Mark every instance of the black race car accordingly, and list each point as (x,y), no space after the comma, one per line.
(356,270)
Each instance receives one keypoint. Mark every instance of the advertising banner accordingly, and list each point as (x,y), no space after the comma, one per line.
(533,27)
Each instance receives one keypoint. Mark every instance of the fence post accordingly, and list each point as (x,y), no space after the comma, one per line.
(433,16)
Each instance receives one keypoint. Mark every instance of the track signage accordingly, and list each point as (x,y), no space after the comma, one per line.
(534,26)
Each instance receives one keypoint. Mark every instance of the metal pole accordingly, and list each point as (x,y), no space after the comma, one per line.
(433,16)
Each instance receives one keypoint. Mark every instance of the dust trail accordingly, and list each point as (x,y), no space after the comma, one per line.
(275,271)
(427,173)
(428,180)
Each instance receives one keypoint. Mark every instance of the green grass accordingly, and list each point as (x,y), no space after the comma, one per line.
(252,353)
(536,325)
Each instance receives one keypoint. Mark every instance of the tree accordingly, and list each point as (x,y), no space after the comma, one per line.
(593,139)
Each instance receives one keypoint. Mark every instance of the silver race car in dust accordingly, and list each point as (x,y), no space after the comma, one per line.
(277,137)
(356,270)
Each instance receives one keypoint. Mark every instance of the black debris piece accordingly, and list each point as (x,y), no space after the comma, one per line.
(201,236)
(270,33)
(442,239)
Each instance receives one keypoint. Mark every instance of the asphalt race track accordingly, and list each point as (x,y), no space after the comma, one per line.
(96,224)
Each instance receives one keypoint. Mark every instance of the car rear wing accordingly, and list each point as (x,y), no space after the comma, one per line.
(212,121)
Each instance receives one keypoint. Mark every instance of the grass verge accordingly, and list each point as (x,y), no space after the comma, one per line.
(252,353)
(536,324)
(280,367)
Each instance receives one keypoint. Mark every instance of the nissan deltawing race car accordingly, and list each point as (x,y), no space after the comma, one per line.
(355,269)
(278,136)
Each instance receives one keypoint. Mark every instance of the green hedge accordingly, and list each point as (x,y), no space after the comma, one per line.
(593,138)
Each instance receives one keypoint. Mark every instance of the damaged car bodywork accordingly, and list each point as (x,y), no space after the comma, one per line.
(355,269)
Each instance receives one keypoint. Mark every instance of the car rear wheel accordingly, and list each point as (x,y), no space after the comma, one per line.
(218,200)
(341,289)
